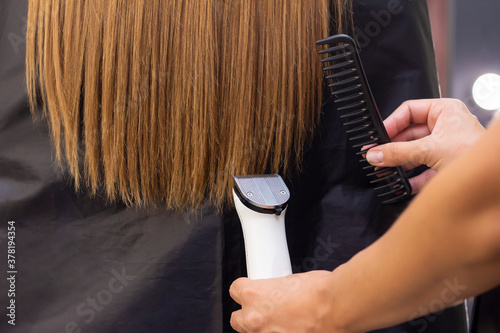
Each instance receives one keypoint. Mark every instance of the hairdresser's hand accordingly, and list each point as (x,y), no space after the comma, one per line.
(295,303)
(431,132)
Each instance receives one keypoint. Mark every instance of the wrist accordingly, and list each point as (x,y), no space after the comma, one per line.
(333,313)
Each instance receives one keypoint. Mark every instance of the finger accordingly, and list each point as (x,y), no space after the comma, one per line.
(235,320)
(456,109)
(418,182)
(235,289)
(406,167)
(412,133)
(368,147)
(247,321)
(397,153)
(410,166)
(408,113)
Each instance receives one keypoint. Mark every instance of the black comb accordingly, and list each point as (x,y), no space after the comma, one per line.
(351,93)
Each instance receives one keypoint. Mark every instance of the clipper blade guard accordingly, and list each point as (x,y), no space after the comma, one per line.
(346,81)
(262,193)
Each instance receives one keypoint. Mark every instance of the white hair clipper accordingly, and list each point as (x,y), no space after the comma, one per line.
(261,202)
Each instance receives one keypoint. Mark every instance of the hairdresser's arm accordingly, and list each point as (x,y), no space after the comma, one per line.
(444,248)
(431,132)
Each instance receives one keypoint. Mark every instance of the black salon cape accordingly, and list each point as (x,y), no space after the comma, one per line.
(84,266)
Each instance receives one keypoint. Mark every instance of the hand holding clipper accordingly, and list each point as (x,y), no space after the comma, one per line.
(261,203)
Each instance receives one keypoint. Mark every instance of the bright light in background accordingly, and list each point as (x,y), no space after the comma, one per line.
(486,91)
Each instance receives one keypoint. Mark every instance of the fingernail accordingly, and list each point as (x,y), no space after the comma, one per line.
(375,156)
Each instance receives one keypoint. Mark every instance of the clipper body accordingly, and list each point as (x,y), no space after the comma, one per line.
(261,203)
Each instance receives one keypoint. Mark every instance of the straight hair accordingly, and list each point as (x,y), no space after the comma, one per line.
(159,103)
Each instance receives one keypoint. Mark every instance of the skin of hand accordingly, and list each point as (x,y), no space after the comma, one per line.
(428,131)
(295,303)
(444,248)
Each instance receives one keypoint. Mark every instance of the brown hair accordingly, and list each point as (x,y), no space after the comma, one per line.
(164,101)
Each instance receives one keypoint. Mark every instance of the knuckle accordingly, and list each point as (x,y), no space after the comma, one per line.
(235,288)
(254,320)
(234,321)
(407,103)
(459,104)
(427,155)
(248,292)
(422,151)
(440,105)
(393,152)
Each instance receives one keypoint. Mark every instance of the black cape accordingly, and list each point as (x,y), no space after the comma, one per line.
(84,266)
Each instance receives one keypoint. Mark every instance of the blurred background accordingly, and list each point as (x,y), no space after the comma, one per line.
(467,43)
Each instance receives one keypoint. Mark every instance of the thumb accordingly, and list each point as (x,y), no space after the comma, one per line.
(397,153)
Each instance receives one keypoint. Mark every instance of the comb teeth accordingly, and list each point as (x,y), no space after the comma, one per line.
(342,64)
(346,80)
